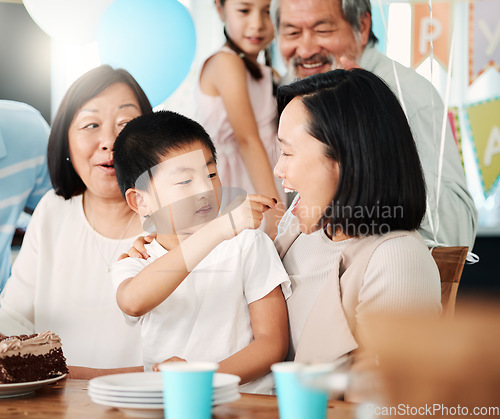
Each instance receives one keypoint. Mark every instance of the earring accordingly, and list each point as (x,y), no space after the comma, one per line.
(68,159)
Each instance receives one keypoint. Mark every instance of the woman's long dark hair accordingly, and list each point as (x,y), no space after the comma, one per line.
(381,185)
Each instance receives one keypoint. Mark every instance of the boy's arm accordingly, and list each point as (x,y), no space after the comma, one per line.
(138,295)
(269,322)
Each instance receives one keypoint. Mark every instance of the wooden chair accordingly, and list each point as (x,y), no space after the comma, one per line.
(450,262)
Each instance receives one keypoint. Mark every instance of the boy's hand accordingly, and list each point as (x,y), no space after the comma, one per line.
(272,218)
(156,367)
(246,212)
(138,249)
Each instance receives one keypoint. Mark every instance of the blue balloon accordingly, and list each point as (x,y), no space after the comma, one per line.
(154,40)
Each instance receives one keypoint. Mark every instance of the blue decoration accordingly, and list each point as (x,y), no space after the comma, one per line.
(154,40)
(378,18)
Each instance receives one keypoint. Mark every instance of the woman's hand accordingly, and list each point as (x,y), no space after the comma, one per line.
(138,249)
(156,367)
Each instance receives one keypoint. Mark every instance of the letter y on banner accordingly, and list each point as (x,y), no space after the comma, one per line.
(484,37)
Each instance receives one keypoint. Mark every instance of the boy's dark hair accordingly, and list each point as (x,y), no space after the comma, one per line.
(146,139)
(360,121)
(66,182)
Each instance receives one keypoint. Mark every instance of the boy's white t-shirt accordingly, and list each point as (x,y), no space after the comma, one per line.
(207,318)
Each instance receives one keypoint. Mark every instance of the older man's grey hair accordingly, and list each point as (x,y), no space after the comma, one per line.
(352,11)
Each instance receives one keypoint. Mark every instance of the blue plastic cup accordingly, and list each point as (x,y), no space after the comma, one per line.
(188,389)
(297,397)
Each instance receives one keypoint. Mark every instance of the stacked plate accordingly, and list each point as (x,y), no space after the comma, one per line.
(141,393)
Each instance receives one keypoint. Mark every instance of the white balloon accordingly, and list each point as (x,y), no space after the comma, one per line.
(73,21)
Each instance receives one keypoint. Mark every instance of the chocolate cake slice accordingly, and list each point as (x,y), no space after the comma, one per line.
(31,358)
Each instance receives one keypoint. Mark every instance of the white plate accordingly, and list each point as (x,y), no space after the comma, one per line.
(133,381)
(151,410)
(154,400)
(23,389)
(118,393)
(149,382)
(129,400)
(218,392)
(148,397)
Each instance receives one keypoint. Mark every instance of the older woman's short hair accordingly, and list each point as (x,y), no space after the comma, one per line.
(65,180)
(355,114)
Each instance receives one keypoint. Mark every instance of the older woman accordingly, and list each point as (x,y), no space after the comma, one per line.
(349,241)
(60,280)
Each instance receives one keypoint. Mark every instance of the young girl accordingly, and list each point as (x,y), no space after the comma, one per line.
(236,106)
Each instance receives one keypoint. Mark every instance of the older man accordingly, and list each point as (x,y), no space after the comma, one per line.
(316,36)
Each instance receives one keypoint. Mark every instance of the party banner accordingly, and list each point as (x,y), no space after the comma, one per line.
(426,31)
(484,127)
(455,129)
(484,37)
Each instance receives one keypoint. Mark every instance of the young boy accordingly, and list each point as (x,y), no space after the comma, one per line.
(212,288)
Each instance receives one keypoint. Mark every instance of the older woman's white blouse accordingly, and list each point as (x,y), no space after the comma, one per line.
(60,282)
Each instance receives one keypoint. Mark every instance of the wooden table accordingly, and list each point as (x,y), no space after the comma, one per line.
(69,399)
